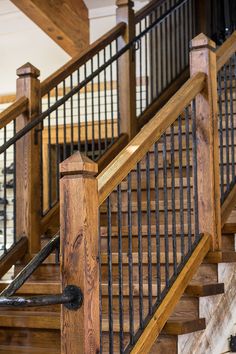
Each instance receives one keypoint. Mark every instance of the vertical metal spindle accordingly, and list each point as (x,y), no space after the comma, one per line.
(189,221)
(157,222)
(140,244)
(99,108)
(110,283)
(140,71)
(57,148)
(232,121)
(146,65)
(130,260)
(112,102)
(165,211)
(79,113)
(120,248)
(64,121)
(14,178)
(49,151)
(5,193)
(86,112)
(149,233)
(181,206)
(71,119)
(173,206)
(195,182)
(105,101)
(226,115)
(93,122)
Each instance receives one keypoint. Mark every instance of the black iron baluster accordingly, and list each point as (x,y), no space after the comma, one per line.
(64,121)
(130,260)
(93,122)
(220,104)
(120,249)
(110,282)
(105,102)
(195,181)
(189,221)
(5,192)
(49,153)
(232,121)
(79,113)
(86,112)
(157,222)
(112,100)
(14,178)
(226,115)
(165,211)
(181,206)
(71,118)
(146,65)
(173,206)
(149,234)
(57,148)
(140,244)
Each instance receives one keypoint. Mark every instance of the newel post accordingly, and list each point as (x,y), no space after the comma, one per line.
(28,211)
(203,59)
(80,329)
(126,70)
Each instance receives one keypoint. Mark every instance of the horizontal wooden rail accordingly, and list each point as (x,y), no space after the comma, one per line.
(13,111)
(67,69)
(226,50)
(127,159)
(154,327)
(146,10)
(13,255)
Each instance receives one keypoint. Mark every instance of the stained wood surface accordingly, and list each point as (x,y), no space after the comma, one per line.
(79,253)
(65,21)
(127,159)
(81,59)
(161,315)
(203,59)
(126,70)
(28,161)
(13,255)
(226,50)
(228,206)
(12,112)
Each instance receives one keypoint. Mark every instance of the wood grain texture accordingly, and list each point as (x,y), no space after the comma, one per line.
(79,253)
(28,161)
(72,65)
(203,59)
(127,159)
(11,113)
(228,206)
(65,21)
(126,70)
(154,327)
(226,50)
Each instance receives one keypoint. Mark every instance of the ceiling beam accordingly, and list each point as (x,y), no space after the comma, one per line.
(65,21)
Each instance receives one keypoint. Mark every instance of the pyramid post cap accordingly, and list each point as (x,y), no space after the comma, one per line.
(201,40)
(78,164)
(28,70)
(129,3)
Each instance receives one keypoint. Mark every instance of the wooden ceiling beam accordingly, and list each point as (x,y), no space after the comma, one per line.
(65,21)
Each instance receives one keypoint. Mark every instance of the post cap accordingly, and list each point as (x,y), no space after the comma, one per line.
(28,70)
(202,41)
(78,164)
(128,3)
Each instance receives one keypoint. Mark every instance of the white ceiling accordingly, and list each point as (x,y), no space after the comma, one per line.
(95,4)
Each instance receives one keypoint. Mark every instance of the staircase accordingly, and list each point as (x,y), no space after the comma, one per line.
(162,230)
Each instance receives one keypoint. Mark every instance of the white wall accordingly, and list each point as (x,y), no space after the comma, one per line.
(22,41)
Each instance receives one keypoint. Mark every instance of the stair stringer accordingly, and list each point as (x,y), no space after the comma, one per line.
(220,314)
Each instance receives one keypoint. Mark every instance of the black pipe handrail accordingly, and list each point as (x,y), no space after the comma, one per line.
(36,121)
(71,297)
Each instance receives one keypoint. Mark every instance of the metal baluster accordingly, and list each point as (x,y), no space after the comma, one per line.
(140,244)
(110,283)
(173,206)
(146,65)
(57,148)
(120,248)
(130,260)
(232,121)
(112,103)
(5,193)
(79,114)
(49,162)
(86,112)
(165,212)
(157,221)
(140,71)
(220,104)
(105,101)
(64,121)
(149,233)
(195,182)
(189,221)
(226,129)
(181,186)
(93,122)
(71,119)
(99,109)
(14,177)
(117,92)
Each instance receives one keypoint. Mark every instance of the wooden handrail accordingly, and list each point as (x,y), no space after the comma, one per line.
(81,59)
(226,50)
(13,111)
(119,168)
(146,10)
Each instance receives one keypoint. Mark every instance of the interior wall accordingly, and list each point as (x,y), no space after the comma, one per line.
(22,41)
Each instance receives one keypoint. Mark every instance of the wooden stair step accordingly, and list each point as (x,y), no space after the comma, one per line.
(35,288)
(10,349)
(202,290)
(30,319)
(179,327)
(229,228)
(221,257)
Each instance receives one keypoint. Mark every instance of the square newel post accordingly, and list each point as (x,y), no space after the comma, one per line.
(126,70)
(80,329)
(28,210)
(203,59)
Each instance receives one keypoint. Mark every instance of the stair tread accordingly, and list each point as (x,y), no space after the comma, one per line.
(205,289)
(221,257)
(173,327)
(25,349)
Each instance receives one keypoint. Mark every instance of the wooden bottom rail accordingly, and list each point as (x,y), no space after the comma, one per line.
(14,254)
(154,327)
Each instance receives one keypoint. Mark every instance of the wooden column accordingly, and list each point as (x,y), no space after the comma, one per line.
(126,70)
(203,59)
(80,329)
(28,211)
